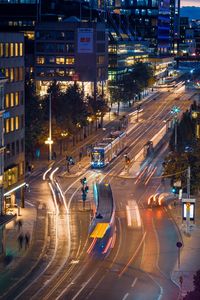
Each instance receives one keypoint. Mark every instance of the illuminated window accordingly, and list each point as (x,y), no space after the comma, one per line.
(11,74)
(12,103)
(100,59)
(12,125)
(20,74)
(21,49)
(40,60)
(16,49)
(17,122)
(6,49)
(21,168)
(7,101)
(1,50)
(17,98)
(11,49)
(70,60)
(7,125)
(60,72)
(60,60)
(16,74)
(7,72)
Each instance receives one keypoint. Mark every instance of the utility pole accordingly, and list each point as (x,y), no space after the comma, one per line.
(175,134)
(50,131)
(188,204)
(188,182)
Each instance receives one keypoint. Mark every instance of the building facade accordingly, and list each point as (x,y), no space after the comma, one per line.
(72,51)
(2,83)
(12,66)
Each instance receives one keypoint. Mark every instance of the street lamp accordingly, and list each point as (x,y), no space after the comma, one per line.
(175,110)
(49,140)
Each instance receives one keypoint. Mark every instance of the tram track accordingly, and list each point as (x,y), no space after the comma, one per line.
(65,270)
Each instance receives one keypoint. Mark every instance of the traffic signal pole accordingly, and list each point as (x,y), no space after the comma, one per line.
(188,196)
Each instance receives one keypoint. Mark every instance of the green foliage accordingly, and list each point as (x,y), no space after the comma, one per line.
(177,162)
(131,84)
(185,132)
(176,165)
(97,108)
(34,116)
(195,294)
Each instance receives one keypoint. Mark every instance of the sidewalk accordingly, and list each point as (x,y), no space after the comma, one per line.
(11,231)
(189,257)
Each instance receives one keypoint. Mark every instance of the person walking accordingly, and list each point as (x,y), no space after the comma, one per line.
(27,240)
(19,224)
(20,240)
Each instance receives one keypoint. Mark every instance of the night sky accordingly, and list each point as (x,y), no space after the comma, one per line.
(190,3)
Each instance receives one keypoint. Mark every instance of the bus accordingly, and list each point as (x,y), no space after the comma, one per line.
(109,148)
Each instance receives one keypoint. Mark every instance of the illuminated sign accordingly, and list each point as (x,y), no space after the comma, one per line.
(188,209)
(85,40)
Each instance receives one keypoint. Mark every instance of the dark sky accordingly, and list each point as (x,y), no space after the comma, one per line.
(190,3)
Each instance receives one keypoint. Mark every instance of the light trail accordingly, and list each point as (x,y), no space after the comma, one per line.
(134,255)
(45,173)
(52,173)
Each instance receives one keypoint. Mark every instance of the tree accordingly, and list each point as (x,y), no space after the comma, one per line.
(97,108)
(116,89)
(195,294)
(34,119)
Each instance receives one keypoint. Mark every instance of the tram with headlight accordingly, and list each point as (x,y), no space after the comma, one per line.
(108,149)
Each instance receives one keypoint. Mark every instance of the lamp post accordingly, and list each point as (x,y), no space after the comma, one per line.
(49,140)
(175,110)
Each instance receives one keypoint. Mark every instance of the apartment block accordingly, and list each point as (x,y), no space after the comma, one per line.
(12,66)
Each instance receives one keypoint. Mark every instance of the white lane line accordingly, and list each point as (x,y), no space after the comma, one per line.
(84,285)
(29,203)
(134,282)
(125,296)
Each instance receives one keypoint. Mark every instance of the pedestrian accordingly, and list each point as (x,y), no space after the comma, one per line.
(29,169)
(54,155)
(68,169)
(20,240)
(19,223)
(80,155)
(27,240)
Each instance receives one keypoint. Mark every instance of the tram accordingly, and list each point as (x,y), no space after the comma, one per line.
(106,150)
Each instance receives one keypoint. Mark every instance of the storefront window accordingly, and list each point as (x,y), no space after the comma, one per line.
(70,60)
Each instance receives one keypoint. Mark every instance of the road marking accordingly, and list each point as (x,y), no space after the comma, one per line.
(29,203)
(134,282)
(125,296)
(131,259)
(84,285)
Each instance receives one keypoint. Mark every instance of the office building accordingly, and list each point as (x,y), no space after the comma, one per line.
(2,83)
(70,51)
(12,66)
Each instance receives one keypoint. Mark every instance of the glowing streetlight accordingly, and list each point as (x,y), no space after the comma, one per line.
(175,110)
(49,140)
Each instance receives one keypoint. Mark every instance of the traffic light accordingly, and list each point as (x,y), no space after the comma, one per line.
(84,196)
(174,190)
(84,180)
(86,188)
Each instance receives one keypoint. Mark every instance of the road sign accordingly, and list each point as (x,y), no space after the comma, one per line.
(177,183)
(180,194)
(179,244)
(191,200)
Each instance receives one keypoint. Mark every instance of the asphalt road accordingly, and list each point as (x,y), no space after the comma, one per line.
(142,258)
